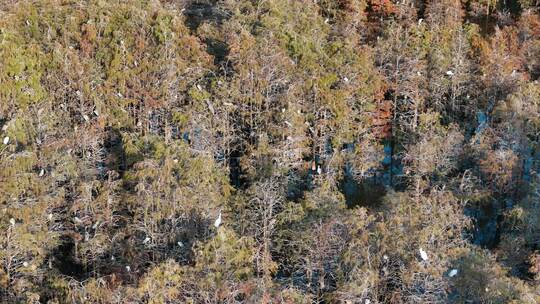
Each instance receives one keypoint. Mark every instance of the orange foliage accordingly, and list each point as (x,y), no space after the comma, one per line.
(382,119)
(88,38)
(383,8)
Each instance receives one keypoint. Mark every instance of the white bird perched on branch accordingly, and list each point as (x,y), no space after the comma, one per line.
(453,273)
(423,254)
(6,140)
(449,73)
(217,223)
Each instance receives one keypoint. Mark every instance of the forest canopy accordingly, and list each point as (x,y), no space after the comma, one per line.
(269,151)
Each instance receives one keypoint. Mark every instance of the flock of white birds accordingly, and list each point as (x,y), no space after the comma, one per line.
(424,256)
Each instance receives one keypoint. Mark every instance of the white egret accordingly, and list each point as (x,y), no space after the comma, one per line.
(6,140)
(423,254)
(449,73)
(217,223)
(453,273)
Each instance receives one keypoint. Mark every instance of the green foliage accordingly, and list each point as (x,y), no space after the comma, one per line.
(337,142)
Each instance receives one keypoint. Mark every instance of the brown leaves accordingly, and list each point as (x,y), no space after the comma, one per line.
(382,119)
(382,8)
(500,167)
(534,262)
(89,35)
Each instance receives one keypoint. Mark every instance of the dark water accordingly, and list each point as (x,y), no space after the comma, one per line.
(366,193)
(485,231)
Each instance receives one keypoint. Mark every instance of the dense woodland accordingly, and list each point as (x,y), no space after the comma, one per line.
(269,151)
